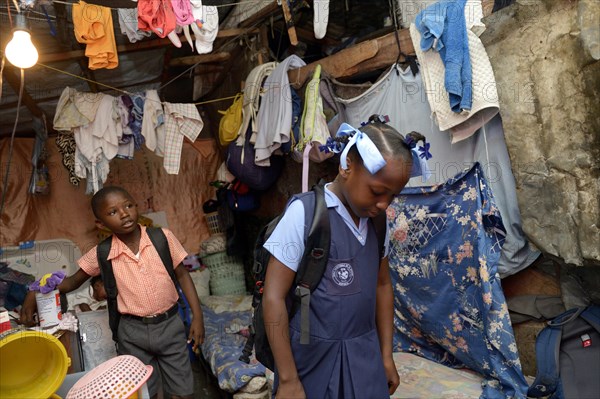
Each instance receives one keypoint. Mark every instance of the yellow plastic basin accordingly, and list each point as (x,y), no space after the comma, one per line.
(34,365)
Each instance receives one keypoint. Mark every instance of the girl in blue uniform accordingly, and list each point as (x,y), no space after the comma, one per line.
(351,310)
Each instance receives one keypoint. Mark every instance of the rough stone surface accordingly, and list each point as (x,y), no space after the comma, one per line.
(549,86)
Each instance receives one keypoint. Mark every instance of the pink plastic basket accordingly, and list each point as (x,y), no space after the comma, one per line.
(119,377)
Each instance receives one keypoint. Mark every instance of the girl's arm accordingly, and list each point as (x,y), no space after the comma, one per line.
(278,281)
(69,284)
(189,290)
(385,323)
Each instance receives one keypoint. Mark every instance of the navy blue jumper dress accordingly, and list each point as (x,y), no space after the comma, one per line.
(343,359)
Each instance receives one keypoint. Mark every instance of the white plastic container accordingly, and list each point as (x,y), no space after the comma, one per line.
(48,307)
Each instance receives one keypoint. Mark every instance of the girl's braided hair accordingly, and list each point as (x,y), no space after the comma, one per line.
(388,140)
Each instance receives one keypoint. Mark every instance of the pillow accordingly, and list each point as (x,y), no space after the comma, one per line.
(201,281)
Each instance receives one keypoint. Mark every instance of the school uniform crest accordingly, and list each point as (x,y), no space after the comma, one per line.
(342,274)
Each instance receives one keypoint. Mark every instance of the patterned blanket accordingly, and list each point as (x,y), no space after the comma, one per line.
(225,337)
(445,242)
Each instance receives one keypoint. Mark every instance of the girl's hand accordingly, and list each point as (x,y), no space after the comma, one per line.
(196,332)
(391,373)
(290,390)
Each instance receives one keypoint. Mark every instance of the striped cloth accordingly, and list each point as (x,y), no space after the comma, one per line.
(180,120)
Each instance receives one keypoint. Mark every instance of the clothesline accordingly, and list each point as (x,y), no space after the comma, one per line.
(125,91)
(219,5)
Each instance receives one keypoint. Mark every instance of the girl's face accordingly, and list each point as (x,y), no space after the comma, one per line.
(368,195)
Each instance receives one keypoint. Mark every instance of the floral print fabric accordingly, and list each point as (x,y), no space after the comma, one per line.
(445,243)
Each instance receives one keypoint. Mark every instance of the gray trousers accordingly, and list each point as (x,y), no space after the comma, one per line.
(163,346)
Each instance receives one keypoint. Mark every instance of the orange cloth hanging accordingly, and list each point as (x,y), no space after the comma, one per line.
(93,26)
(156,16)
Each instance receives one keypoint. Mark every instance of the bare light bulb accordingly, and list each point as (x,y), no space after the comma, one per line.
(20,51)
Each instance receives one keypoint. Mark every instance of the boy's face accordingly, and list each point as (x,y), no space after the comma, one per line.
(118,213)
(99,293)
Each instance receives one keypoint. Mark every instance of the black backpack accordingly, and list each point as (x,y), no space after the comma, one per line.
(157,236)
(568,356)
(310,271)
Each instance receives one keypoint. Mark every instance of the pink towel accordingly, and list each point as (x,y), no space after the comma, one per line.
(183,12)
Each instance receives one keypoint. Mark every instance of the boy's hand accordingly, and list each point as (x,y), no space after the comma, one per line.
(196,331)
(28,309)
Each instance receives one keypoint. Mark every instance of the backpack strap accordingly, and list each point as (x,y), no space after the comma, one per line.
(110,285)
(159,240)
(314,260)
(547,349)
(591,314)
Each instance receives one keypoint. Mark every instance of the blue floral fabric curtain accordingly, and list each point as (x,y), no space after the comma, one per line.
(445,243)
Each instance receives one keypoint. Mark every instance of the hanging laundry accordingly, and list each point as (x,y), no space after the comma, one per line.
(137,117)
(449,305)
(181,120)
(126,147)
(320,18)
(67,146)
(183,12)
(156,16)
(314,131)
(443,29)
(128,21)
(153,128)
(39,181)
(75,109)
(93,26)
(206,26)
(97,143)
(409,9)
(134,117)
(252,95)
(275,112)
(485,95)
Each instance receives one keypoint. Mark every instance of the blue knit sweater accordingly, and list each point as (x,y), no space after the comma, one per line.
(443,28)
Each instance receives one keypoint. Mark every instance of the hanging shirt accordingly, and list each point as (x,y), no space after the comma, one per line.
(275,112)
(93,26)
(181,120)
(156,16)
(98,143)
(128,21)
(153,128)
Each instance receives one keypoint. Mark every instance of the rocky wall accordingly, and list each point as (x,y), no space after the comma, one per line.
(544,54)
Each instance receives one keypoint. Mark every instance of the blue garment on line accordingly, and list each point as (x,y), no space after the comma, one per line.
(442,26)
(449,305)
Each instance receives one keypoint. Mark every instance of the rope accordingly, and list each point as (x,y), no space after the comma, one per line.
(125,91)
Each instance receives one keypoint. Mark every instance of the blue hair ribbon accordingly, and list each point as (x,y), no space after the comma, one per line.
(419,157)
